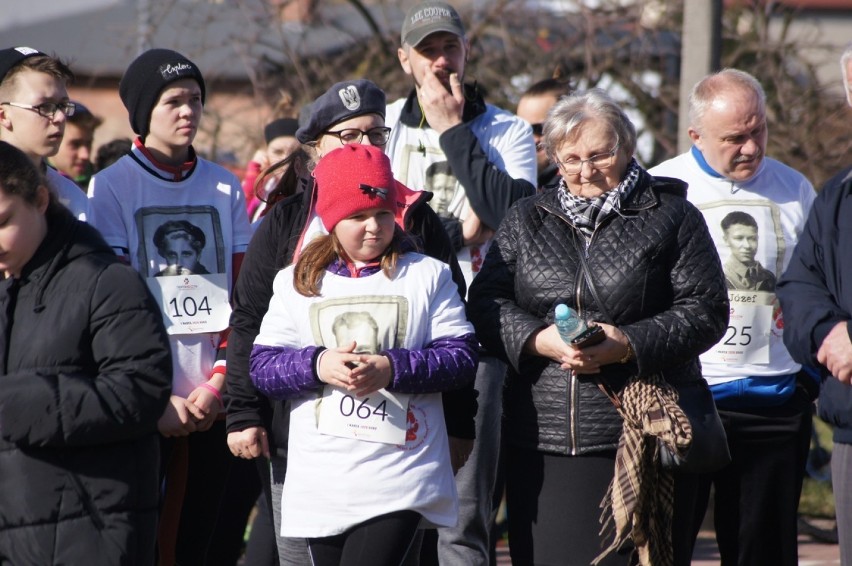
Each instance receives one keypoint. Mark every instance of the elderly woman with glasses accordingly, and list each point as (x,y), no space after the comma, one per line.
(348,112)
(628,252)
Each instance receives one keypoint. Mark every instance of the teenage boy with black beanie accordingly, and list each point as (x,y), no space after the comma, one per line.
(34,108)
(163,181)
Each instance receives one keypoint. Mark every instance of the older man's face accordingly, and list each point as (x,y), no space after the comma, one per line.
(732,134)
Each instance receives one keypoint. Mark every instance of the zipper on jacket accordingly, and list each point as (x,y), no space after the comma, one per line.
(573,382)
(572,409)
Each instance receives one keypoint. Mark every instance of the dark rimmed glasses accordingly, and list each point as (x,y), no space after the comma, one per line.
(378,136)
(46,109)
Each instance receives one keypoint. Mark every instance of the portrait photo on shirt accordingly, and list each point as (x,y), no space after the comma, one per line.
(446,192)
(374,323)
(750,243)
(182,240)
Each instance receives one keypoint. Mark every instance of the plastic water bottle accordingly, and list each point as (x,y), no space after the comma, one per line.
(568,322)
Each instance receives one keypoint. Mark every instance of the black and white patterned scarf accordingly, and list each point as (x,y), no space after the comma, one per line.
(587,213)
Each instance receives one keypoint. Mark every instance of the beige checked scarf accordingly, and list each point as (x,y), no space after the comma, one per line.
(639,502)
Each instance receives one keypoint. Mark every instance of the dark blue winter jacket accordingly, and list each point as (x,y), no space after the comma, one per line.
(816,293)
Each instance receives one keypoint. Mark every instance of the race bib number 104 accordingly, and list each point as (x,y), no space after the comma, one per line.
(192,304)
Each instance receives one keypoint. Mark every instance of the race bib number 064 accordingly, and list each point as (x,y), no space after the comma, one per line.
(377,417)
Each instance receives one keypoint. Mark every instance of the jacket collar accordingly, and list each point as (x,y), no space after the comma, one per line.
(54,251)
(412,116)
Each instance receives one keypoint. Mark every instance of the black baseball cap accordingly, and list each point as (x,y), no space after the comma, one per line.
(12,56)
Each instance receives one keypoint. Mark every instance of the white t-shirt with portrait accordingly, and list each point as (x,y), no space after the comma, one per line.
(334,483)
(132,207)
(777,199)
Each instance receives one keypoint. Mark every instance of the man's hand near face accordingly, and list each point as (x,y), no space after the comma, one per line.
(443,109)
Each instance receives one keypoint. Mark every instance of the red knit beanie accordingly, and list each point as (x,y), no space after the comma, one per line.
(352,179)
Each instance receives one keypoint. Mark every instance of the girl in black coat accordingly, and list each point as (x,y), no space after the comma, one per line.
(85,373)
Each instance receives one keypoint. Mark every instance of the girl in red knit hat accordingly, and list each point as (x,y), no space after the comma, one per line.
(362,334)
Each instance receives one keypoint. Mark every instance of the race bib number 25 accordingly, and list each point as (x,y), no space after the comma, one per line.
(746,340)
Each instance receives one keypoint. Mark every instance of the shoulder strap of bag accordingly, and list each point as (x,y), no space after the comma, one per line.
(581,254)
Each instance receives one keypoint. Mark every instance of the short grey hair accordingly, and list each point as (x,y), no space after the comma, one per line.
(571,112)
(713,86)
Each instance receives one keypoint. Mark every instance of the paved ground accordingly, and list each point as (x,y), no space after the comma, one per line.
(811,552)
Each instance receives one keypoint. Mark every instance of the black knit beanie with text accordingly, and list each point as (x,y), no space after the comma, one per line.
(145,79)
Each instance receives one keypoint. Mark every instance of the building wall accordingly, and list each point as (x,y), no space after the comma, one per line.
(230,130)
(826,34)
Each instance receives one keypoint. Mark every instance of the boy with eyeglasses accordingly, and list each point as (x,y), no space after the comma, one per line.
(34,108)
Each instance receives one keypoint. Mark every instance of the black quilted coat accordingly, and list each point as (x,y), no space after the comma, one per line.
(85,373)
(656,269)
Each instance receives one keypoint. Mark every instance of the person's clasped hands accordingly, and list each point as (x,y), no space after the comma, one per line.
(548,343)
(360,374)
(195,413)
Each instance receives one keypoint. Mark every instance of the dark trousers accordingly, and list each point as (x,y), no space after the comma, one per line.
(757,494)
(381,541)
(240,495)
(195,471)
(554,508)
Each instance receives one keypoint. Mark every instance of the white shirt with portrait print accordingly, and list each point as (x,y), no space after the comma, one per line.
(779,199)
(128,201)
(503,137)
(334,483)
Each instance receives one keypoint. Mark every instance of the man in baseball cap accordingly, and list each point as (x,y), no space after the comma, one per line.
(486,157)
(428,18)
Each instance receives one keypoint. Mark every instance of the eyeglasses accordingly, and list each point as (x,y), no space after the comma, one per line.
(537,129)
(572,165)
(47,109)
(377,136)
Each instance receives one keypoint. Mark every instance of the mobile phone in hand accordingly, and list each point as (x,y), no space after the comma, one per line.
(594,334)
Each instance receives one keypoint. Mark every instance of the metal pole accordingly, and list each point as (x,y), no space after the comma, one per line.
(701,48)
